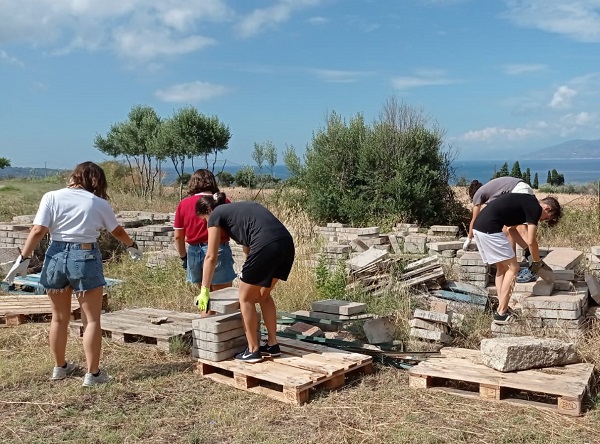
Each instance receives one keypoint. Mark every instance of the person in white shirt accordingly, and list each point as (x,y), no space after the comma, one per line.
(74,217)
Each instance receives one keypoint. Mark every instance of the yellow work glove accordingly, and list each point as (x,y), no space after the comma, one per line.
(202,299)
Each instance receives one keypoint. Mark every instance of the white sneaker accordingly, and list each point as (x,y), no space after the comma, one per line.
(59,373)
(89,379)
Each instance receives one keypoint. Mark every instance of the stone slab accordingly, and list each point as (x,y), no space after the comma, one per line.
(444,246)
(427,325)
(305,329)
(218,337)
(233,343)
(367,258)
(594,287)
(444,318)
(217,356)
(218,323)
(564,275)
(562,300)
(562,258)
(379,330)
(526,352)
(335,306)
(430,335)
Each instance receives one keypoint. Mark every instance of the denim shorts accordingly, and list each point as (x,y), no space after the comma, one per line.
(72,264)
(224,272)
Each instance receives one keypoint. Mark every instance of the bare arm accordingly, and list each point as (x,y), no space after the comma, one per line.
(180,242)
(212,253)
(532,242)
(246,250)
(476,210)
(122,236)
(33,239)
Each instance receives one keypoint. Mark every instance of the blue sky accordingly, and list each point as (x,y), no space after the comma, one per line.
(498,76)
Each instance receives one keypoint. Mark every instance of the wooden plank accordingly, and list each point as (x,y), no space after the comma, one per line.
(419,271)
(461,297)
(420,279)
(421,262)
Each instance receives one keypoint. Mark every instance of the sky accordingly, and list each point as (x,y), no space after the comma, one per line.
(499,77)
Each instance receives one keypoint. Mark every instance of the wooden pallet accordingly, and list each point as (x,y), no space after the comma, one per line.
(291,376)
(460,371)
(18,309)
(134,325)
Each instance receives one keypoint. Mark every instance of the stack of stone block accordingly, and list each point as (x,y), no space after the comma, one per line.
(221,334)
(472,269)
(337,310)
(343,234)
(14,234)
(442,232)
(593,260)
(555,309)
(432,325)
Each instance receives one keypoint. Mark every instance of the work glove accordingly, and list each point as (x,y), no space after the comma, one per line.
(202,299)
(184,262)
(535,266)
(527,254)
(19,268)
(467,243)
(135,252)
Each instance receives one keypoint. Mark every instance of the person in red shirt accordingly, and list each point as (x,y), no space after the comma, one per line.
(191,229)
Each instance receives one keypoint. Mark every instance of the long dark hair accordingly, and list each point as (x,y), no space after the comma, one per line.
(206,204)
(201,181)
(90,177)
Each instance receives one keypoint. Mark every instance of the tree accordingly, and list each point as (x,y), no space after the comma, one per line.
(516,170)
(4,163)
(246,177)
(354,172)
(549,179)
(258,155)
(527,176)
(502,172)
(270,156)
(536,183)
(225,178)
(135,139)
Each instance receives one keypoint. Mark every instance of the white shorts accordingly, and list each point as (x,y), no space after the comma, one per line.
(493,247)
(522,188)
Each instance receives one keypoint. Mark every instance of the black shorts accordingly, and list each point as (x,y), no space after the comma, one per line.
(273,261)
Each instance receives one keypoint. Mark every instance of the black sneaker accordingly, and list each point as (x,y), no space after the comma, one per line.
(248,356)
(505,318)
(270,350)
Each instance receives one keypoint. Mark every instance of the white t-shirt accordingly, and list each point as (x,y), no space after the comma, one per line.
(75,215)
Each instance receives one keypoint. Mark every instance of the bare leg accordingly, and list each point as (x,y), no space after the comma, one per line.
(91,305)
(510,269)
(249,296)
(500,270)
(61,315)
(269,312)
(511,239)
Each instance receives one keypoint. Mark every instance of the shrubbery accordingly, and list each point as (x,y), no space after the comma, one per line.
(395,168)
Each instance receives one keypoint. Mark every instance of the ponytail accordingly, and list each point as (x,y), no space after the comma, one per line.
(209,202)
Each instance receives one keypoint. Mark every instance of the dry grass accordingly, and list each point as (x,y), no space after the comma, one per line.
(156,397)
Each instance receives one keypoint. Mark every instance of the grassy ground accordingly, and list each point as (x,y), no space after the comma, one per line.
(157,397)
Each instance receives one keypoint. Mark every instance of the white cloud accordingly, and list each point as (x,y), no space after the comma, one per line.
(562,97)
(192,92)
(264,18)
(494,133)
(339,76)
(516,69)
(318,20)
(574,122)
(68,25)
(424,77)
(578,20)
(5,57)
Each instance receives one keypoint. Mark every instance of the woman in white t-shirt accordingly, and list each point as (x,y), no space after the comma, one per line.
(74,217)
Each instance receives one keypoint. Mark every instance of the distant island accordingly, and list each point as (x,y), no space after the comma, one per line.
(28,173)
(571,149)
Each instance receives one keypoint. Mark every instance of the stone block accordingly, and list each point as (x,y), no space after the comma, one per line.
(217,356)
(305,329)
(564,275)
(338,249)
(594,287)
(219,346)
(443,246)
(444,229)
(562,300)
(335,306)
(396,243)
(439,307)
(367,231)
(224,301)
(218,337)
(415,243)
(379,330)
(522,353)
(427,325)
(561,285)
(562,258)
(358,245)
(542,288)
(366,258)
(335,317)
(437,336)
(218,323)
(471,258)
(444,318)
(554,314)
(449,253)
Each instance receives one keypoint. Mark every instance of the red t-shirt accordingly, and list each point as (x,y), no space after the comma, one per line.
(193,225)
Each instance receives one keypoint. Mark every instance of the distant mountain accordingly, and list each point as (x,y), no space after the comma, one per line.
(31,173)
(572,149)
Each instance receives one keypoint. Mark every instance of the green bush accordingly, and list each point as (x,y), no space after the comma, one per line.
(395,168)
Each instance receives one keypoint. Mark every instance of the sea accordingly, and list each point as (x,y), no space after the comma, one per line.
(576,171)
